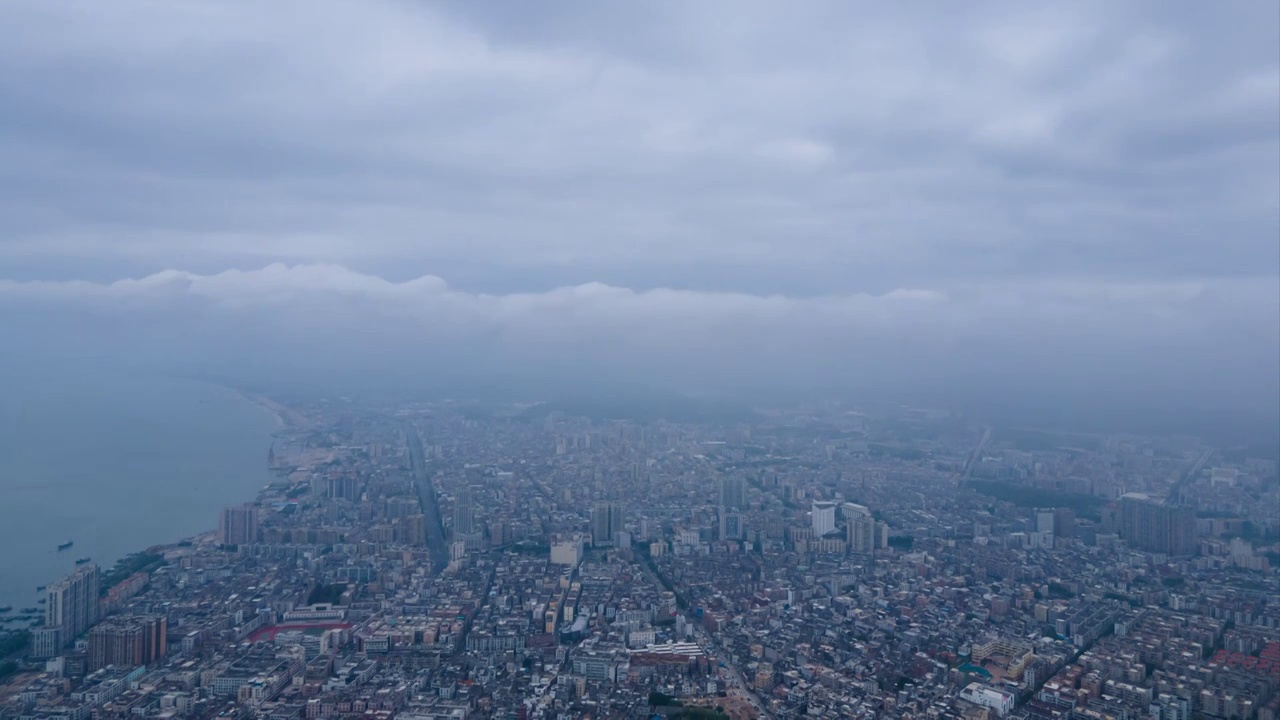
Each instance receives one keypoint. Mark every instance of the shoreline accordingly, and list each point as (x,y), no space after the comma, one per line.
(285,419)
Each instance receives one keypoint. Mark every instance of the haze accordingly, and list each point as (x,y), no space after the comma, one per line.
(1069,209)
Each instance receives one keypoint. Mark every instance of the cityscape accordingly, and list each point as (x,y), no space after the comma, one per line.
(456,560)
(639,360)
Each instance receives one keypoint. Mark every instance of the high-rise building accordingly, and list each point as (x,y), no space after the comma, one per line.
(46,642)
(343,487)
(399,507)
(411,529)
(464,516)
(1154,527)
(567,550)
(606,519)
(862,534)
(238,525)
(1044,520)
(71,604)
(824,517)
(730,525)
(128,641)
(1064,523)
(852,510)
(733,493)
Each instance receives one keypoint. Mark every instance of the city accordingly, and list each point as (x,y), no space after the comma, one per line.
(658,360)
(457,560)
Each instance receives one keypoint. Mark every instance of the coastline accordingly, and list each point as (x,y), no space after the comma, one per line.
(286,418)
(23,580)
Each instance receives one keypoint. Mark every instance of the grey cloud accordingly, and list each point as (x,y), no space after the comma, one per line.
(985,195)
(900,145)
(689,333)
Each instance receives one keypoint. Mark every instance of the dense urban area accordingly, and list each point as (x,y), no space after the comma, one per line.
(457,560)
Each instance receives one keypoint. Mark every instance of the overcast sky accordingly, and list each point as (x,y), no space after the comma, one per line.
(1077,194)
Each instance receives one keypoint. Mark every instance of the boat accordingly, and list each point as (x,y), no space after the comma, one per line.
(83,560)
(40,588)
(65,545)
(5,608)
(30,611)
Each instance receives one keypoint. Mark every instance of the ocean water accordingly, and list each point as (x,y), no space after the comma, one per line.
(116,462)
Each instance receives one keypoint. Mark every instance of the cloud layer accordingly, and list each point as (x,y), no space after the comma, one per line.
(1208,344)
(735,193)
(738,145)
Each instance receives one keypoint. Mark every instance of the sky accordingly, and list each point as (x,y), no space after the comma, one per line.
(1022,203)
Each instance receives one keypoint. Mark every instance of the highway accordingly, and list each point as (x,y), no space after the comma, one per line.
(976,455)
(436,545)
(1175,492)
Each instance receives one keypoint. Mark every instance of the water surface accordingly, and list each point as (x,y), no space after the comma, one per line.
(116,462)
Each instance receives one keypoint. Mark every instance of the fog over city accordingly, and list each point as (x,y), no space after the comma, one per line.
(1068,209)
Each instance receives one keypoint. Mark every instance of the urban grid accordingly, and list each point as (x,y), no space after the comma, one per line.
(455,560)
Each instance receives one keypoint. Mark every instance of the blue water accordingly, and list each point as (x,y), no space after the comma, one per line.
(116,462)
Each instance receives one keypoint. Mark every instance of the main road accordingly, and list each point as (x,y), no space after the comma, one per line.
(976,455)
(710,646)
(436,546)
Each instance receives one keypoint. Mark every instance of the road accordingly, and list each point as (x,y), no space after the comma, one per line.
(436,546)
(1175,492)
(707,642)
(976,454)
(744,689)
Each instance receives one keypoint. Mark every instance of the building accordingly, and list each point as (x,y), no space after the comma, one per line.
(998,700)
(46,642)
(1154,527)
(824,517)
(238,525)
(1064,523)
(342,487)
(730,525)
(733,493)
(71,605)
(567,551)
(411,529)
(464,515)
(853,510)
(606,519)
(1044,520)
(862,535)
(128,641)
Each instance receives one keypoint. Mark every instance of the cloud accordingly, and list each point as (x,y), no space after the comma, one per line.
(731,145)
(683,333)
(730,193)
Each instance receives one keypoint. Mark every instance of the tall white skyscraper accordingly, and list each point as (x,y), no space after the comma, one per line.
(824,517)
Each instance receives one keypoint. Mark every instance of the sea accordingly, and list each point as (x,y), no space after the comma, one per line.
(116,462)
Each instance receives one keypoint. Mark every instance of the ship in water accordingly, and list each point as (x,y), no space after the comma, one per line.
(83,560)
(5,608)
(65,545)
